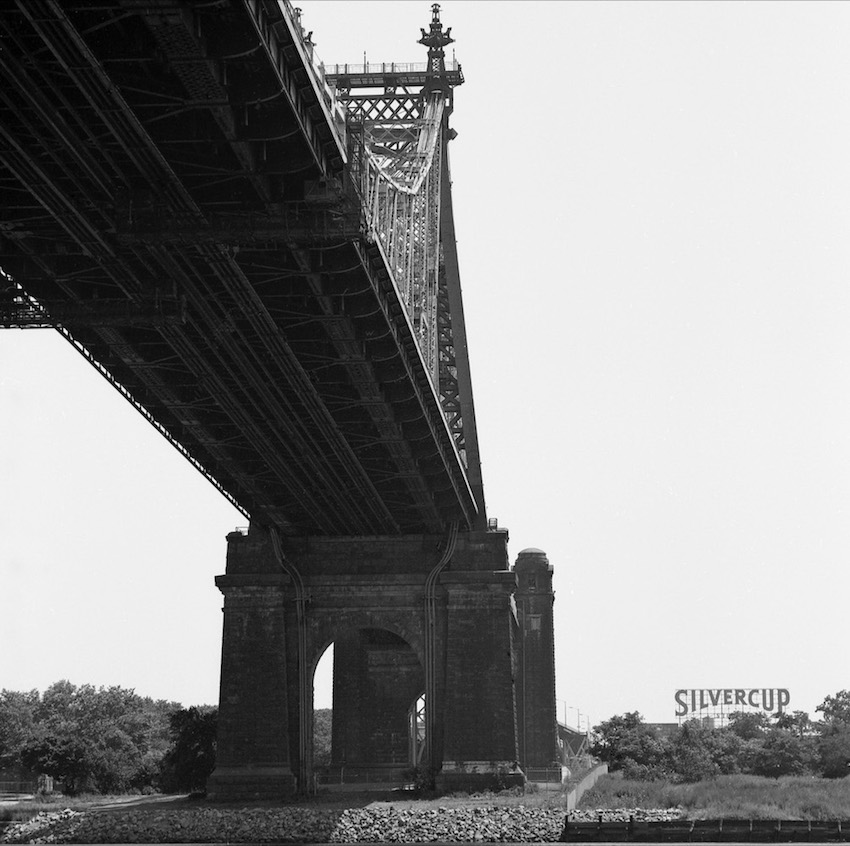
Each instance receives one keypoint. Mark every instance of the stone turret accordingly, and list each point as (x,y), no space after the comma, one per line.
(537,729)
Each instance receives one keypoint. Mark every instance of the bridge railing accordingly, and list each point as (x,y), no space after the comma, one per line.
(383,68)
(318,71)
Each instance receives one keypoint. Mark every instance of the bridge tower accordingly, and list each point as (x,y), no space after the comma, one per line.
(414,618)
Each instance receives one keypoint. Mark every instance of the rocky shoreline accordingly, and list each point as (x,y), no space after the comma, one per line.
(382,824)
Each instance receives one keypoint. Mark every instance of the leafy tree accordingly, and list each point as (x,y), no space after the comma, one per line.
(729,751)
(834,751)
(17,726)
(322,721)
(748,725)
(836,709)
(752,743)
(692,761)
(64,758)
(834,741)
(101,740)
(798,723)
(701,751)
(191,759)
(780,753)
(628,744)
(62,744)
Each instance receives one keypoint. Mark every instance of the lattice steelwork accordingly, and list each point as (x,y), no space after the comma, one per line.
(174,198)
(398,139)
(399,180)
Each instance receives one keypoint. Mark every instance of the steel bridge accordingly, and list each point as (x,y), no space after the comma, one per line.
(258,251)
(184,196)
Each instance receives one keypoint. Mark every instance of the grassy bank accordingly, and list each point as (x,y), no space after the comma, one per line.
(730,797)
(27,808)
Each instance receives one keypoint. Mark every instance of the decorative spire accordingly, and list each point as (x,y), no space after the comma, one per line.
(435,40)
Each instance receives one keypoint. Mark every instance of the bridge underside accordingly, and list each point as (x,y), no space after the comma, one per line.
(173,197)
(178,198)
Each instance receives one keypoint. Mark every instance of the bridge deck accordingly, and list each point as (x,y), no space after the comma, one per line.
(172,195)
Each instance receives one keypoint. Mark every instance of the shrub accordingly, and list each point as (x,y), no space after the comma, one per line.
(422,777)
(834,752)
(627,742)
(191,759)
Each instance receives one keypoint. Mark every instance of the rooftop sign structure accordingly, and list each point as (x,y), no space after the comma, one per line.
(719,703)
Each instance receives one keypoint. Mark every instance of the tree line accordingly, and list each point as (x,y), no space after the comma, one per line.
(105,740)
(752,743)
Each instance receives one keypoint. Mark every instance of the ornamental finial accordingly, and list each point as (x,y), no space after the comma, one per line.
(435,40)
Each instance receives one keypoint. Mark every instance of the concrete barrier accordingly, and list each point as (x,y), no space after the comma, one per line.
(585,784)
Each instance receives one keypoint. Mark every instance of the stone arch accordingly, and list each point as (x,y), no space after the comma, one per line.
(325,626)
(354,584)
(379,673)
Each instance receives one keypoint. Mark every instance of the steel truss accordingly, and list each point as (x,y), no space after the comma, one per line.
(172,182)
(399,181)
(398,144)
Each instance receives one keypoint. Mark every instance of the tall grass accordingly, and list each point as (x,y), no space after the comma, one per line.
(730,797)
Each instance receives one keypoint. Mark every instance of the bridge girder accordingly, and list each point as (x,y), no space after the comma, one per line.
(163,152)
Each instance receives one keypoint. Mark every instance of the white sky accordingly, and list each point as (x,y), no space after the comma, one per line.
(652,204)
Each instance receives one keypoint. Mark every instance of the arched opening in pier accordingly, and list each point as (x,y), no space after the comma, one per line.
(323,711)
(377,719)
(416,731)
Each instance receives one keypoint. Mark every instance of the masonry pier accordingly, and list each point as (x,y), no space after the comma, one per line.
(457,644)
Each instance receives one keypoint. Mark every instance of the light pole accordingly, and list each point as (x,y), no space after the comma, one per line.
(578,716)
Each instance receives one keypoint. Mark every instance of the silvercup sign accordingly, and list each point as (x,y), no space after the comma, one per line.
(771,700)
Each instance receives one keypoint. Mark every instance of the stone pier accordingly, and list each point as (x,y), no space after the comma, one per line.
(367,596)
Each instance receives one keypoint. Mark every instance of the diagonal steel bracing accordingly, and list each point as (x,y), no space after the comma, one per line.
(181,194)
